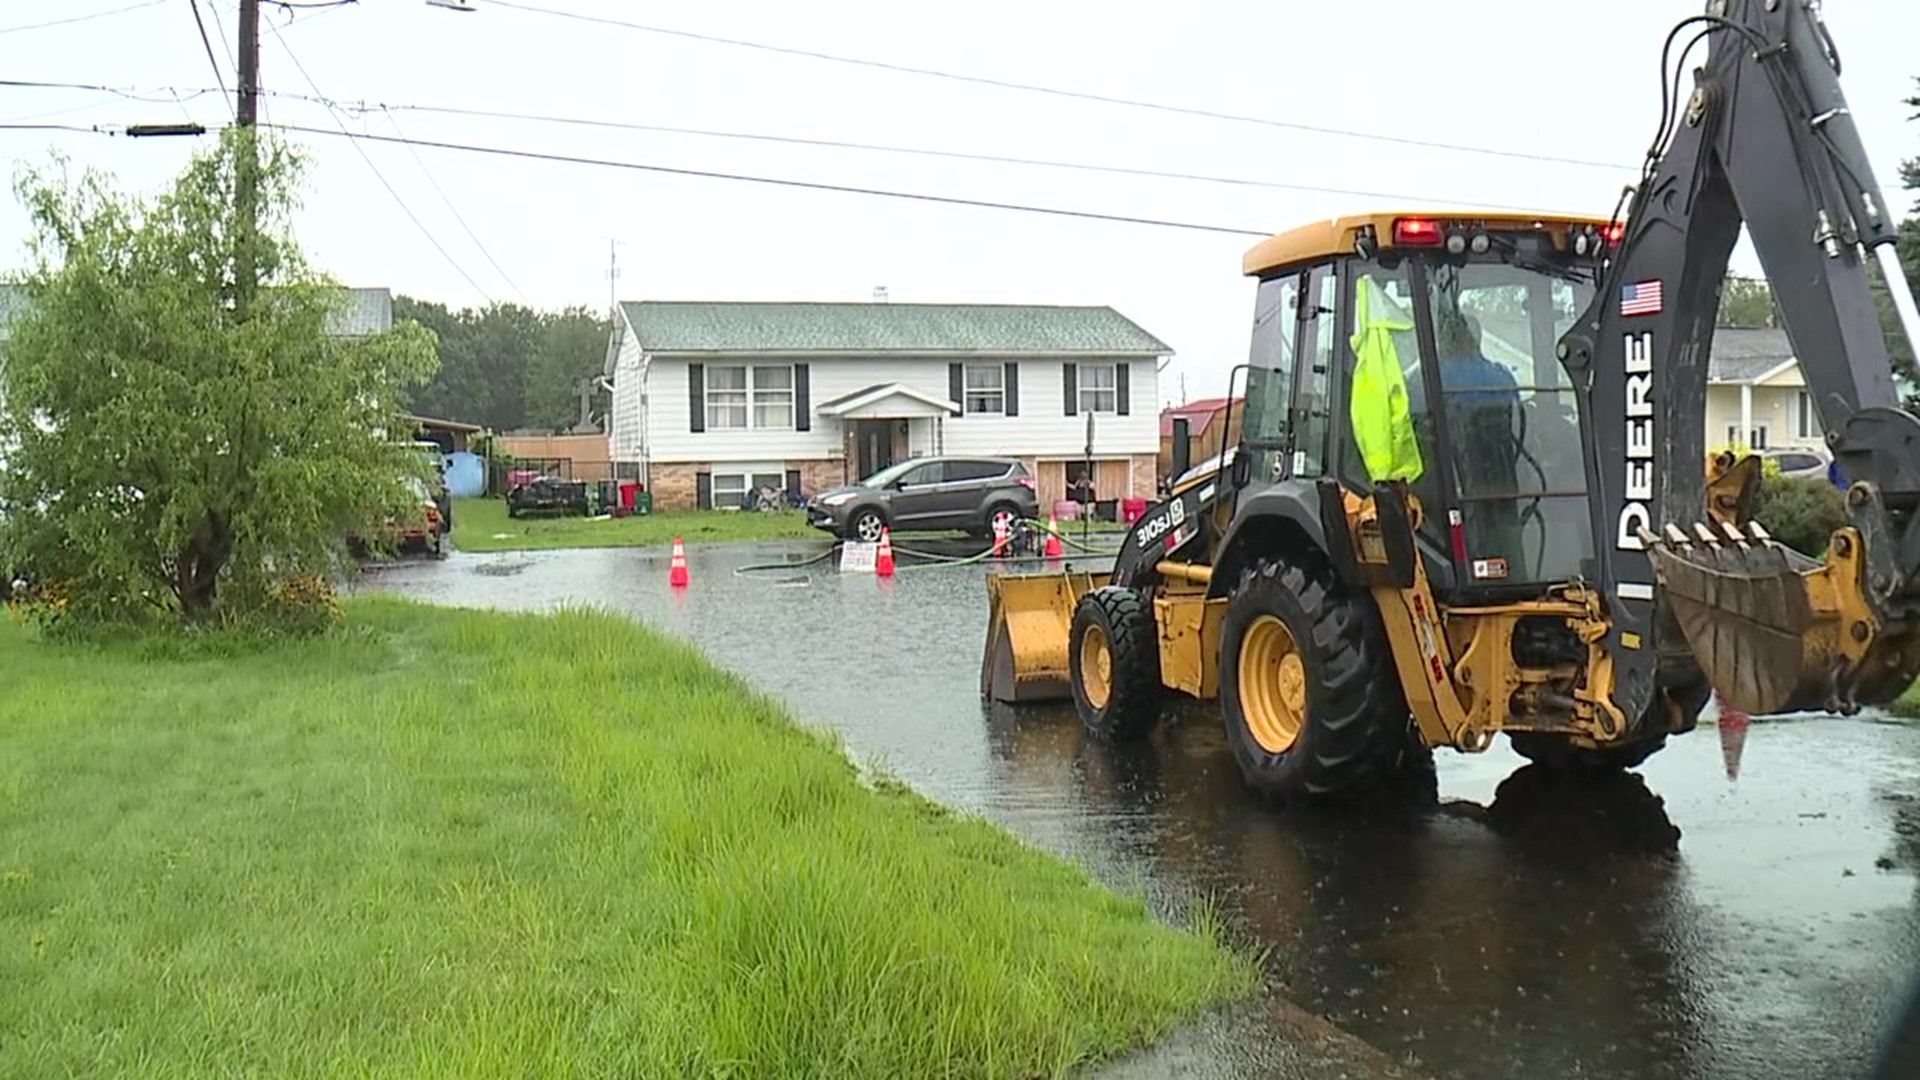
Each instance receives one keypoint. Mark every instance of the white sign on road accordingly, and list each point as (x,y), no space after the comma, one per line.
(858,558)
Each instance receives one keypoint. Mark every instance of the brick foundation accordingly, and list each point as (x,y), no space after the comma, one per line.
(673,486)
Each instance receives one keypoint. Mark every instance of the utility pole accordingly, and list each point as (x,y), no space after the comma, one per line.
(247,168)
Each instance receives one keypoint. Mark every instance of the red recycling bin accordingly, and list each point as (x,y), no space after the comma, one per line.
(628,490)
(1133,509)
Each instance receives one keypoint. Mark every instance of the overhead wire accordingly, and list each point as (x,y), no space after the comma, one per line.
(81,18)
(811,185)
(835,144)
(368,158)
(455,211)
(218,76)
(362,107)
(1054,91)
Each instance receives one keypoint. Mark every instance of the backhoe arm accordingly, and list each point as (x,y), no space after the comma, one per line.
(1764,139)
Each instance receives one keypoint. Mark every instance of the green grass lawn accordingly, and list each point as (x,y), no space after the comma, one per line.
(463,844)
(483,525)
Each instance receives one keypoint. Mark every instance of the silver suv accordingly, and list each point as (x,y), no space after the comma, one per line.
(929,494)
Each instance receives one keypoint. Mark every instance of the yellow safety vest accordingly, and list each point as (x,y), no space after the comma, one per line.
(1382,415)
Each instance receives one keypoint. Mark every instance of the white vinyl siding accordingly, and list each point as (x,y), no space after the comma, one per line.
(986,389)
(1042,428)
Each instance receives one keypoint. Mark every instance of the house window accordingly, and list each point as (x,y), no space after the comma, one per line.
(762,394)
(1099,389)
(1756,441)
(1805,424)
(986,388)
(734,490)
(726,398)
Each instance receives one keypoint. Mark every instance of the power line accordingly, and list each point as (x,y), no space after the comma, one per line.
(361,108)
(810,185)
(208,43)
(364,156)
(999,159)
(81,18)
(94,130)
(455,211)
(1054,91)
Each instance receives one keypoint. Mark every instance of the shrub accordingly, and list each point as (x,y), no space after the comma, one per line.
(1800,512)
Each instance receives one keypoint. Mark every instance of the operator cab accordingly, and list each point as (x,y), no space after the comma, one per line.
(1423,348)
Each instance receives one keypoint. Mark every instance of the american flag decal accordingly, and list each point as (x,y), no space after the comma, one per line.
(1641,298)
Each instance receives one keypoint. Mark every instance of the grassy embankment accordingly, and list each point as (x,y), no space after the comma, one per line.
(444,844)
(483,525)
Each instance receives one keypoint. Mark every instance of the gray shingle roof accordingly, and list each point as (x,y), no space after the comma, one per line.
(742,327)
(1743,355)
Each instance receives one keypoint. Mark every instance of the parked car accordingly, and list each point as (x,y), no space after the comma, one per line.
(1795,461)
(929,494)
(423,530)
(547,493)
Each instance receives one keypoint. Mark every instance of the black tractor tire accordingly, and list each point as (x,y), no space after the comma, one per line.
(1356,736)
(1557,752)
(860,517)
(1119,701)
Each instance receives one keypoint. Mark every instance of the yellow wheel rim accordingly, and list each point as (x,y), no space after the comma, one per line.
(1273,685)
(1096,667)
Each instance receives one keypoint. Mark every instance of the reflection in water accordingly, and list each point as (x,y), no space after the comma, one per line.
(1522,938)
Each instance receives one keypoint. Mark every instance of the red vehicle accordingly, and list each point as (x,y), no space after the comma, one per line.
(425,530)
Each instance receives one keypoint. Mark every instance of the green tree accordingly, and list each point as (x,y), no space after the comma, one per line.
(572,350)
(485,355)
(170,447)
(1746,302)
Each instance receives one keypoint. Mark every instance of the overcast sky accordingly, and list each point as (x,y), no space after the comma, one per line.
(1527,77)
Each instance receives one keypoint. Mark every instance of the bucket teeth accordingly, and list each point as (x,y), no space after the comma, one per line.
(1705,534)
(1755,530)
(1733,533)
(1675,536)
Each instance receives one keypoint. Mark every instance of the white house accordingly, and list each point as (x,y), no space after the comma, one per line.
(1754,386)
(711,399)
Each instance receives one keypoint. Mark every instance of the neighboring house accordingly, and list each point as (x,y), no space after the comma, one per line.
(1754,386)
(1208,432)
(711,400)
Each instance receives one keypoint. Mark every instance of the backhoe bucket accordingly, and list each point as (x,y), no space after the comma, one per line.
(1029,620)
(1772,630)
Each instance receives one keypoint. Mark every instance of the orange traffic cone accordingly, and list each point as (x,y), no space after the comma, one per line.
(883,560)
(1055,548)
(1733,738)
(677,573)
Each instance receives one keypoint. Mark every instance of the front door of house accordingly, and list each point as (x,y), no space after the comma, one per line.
(873,449)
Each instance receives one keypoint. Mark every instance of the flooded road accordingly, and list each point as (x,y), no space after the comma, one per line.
(1675,923)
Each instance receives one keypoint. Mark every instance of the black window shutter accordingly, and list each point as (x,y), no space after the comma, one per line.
(696,397)
(793,483)
(1012,385)
(957,385)
(1121,387)
(1070,387)
(703,491)
(802,401)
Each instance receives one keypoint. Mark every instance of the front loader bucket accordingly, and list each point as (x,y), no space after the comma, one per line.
(1774,631)
(1029,619)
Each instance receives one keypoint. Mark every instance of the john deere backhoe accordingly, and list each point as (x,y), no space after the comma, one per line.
(1468,498)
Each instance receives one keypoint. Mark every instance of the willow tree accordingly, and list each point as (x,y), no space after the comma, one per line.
(182,419)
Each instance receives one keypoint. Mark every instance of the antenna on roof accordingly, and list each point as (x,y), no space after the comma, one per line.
(879,294)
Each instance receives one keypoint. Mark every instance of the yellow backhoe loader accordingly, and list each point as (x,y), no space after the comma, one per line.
(1467,496)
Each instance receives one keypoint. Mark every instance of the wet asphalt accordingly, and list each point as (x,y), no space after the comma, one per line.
(1675,922)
